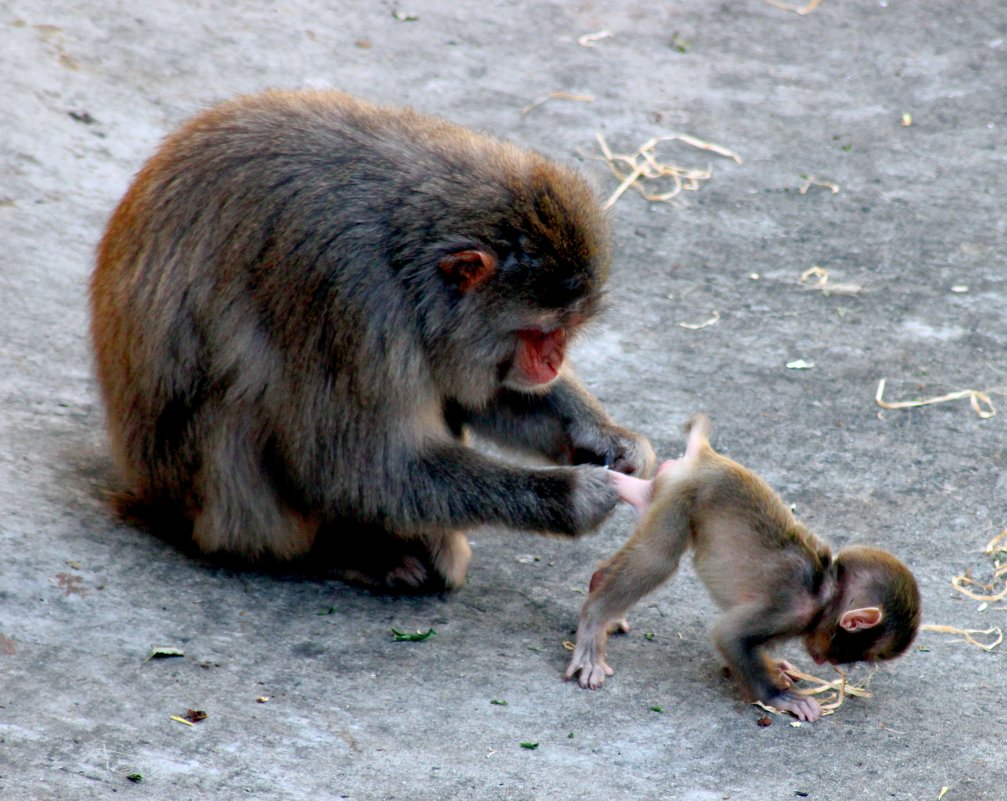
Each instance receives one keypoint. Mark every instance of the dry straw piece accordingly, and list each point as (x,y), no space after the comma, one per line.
(958,583)
(802,10)
(835,692)
(811,181)
(998,544)
(981,403)
(644,166)
(822,283)
(994,548)
(541,101)
(966,635)
(591,39)
(704,324)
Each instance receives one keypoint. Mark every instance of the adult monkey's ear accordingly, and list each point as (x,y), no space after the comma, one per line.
(859,619)
(467,269)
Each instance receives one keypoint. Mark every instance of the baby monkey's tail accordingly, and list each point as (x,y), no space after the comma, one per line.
(698,431)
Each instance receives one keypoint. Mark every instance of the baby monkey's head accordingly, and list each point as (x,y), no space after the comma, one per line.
(874,613)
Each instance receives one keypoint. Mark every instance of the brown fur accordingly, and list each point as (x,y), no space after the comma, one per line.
(303,302)
(771,577)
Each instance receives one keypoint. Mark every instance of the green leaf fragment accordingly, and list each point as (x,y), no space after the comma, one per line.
(408,636)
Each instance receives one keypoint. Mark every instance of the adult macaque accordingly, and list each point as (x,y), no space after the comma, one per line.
(772,578)
(303,302)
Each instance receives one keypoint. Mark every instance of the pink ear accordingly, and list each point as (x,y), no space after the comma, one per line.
(468,268)
(859,619)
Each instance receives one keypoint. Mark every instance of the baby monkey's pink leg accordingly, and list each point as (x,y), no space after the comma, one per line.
(639,492)
(667,463)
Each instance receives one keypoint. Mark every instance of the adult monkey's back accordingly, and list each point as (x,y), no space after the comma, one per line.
(303,302)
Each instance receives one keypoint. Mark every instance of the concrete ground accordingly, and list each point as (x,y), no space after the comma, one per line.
(917,224)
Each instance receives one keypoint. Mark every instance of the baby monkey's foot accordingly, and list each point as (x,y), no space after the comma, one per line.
(801,707)
(590,664)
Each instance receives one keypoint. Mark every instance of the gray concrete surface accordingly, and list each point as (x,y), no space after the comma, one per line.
(88,88)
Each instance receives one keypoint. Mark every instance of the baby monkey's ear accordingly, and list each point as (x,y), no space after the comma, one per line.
(859,619)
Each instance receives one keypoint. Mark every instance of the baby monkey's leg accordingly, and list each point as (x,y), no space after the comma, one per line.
(779,671)
(741,635)
(649,558)
(622,624)
(639,492)
(636,492)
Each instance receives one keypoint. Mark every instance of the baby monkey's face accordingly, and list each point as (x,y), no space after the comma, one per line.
(837,646)
(841,649)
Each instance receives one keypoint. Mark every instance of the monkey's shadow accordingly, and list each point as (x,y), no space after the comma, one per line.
(344,551)
(683,647)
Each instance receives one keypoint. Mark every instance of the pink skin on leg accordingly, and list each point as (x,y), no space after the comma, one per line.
(637,492)
(669,463)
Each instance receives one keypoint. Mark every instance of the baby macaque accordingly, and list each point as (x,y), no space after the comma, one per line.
(772,578)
